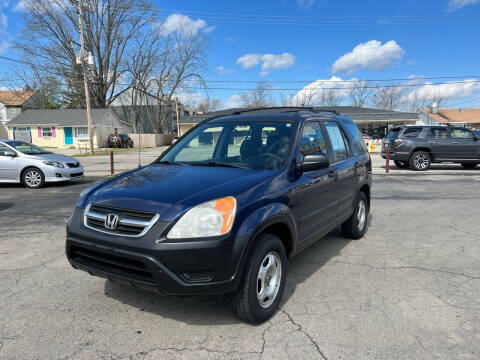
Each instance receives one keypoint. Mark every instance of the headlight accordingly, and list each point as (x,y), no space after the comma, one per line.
(54,163)
(212,218)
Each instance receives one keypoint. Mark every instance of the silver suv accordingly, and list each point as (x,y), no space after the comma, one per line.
(33,166)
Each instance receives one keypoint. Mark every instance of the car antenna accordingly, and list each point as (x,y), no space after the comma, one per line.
(139,152)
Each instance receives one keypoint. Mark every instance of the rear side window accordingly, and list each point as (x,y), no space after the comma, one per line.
(338,141)
(355,134)
(412,132)
(438,133)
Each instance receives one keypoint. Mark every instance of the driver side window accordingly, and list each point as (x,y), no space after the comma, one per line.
(312,141)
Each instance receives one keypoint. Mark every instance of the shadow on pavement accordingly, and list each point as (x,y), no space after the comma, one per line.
(216,311)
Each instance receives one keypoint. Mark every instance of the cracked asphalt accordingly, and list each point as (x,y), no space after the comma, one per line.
(410,289)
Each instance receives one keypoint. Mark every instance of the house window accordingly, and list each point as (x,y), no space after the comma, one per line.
(81,133)
(47,131)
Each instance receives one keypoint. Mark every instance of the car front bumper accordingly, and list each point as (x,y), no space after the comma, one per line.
(152,262)
(55,174)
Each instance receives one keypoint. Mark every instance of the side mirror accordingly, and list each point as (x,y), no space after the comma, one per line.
(313,162)
(10,153)
(475,137)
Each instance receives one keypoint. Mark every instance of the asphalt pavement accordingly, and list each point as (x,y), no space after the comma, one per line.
(410,289)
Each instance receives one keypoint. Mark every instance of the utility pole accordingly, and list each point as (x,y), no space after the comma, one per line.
(85,76)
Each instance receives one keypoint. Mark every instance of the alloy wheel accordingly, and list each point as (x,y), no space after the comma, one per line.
(33,178)
(361,215)
(421,161)
(269,279)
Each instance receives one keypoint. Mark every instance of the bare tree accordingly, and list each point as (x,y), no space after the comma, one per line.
(330,97)
(422,99)
(305,97)
(50,40)
(260,96)
(360,93)
(387,97)
(209,105)
(179,68)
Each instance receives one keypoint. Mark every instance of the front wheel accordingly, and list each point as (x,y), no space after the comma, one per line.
(469,165)
(33,178)
(356,226)
(263,282)
(420,161)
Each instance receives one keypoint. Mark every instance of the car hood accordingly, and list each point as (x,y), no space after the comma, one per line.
(172,189)
(53,157)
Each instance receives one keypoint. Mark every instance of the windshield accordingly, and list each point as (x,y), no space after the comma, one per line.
(254,144)
(27,148)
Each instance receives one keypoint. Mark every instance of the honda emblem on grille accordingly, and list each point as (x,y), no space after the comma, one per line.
(111,221)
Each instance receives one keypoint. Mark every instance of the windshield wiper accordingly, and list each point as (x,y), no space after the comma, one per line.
(166,162)
(216,163)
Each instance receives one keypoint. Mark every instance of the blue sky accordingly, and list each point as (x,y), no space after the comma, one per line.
(285,40)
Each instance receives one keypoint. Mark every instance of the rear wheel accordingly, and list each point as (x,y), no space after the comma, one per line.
(263,282)
(33,178)
(469,165)
(401,164)
(420,161)
(356,226)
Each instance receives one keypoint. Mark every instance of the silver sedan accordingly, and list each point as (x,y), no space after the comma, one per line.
(22,162)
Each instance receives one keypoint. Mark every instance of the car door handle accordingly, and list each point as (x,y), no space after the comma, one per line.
(431,142)
(455,143)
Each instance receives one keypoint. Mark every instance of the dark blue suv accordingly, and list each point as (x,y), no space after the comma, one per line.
(221,210)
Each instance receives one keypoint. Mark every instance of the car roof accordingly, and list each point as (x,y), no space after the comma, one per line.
(289,114)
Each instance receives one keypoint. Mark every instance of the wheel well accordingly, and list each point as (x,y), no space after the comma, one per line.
(366,190)
(283,232)
(427,150)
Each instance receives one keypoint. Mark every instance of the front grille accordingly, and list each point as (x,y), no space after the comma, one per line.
(73,165)
(113,264)
(128,223)
(76,174)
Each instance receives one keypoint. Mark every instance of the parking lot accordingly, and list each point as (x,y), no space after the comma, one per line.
(410,289)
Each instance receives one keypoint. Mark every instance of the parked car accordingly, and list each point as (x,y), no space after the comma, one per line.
(417,147)
(222,215)
(119,141)
(22,162)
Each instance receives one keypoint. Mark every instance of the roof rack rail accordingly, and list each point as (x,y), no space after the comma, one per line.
(284,108)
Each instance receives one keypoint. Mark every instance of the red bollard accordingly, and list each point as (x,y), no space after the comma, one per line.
(111,162)
(387,165)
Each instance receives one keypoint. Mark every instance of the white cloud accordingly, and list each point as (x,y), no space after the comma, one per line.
(177,22)
(311,94)
(191,99)
(305,4)
(458,4)
(234,101)
(4,45)
(268,61)
(450,90)
(371,55)
(224,71)
(3,21)
(230,40)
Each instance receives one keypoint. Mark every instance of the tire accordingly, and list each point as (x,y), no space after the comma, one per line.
(420,161)
(401,164)
(356,226)
(469,166)
(250,306)
(33,178)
